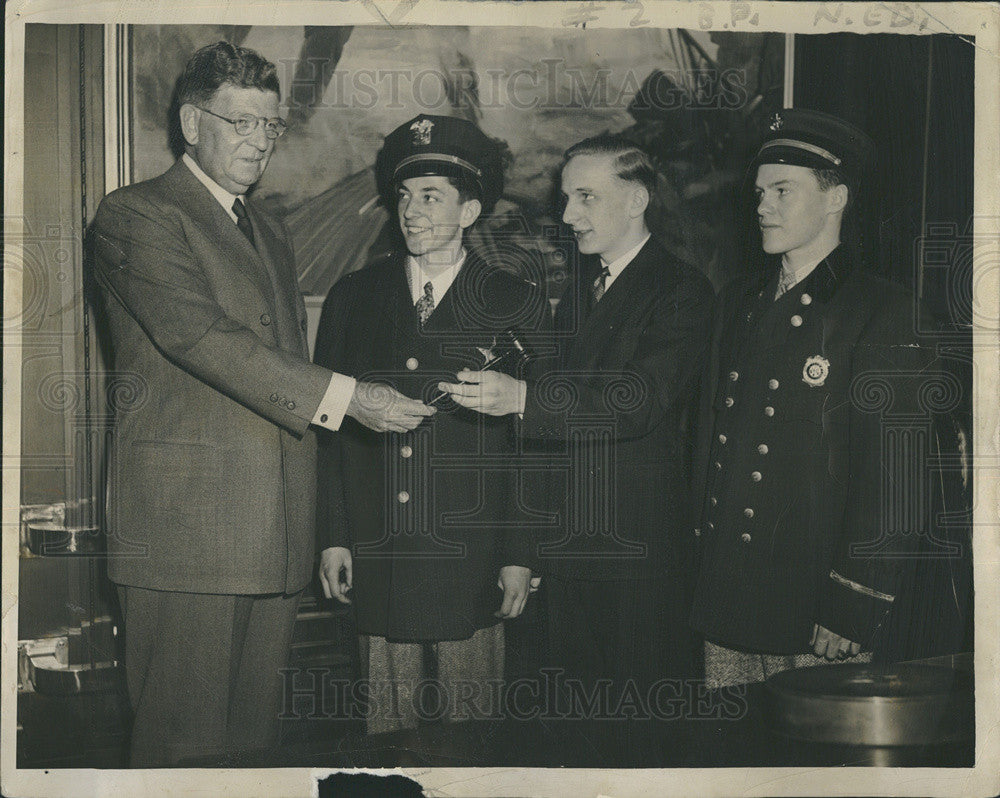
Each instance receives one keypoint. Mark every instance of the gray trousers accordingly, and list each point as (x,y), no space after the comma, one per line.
(203,672)
(725,667)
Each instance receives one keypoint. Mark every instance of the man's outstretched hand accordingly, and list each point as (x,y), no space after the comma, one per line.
(490,392)
(384,409)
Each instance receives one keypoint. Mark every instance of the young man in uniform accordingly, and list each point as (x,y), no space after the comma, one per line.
(793,570)
(422,528)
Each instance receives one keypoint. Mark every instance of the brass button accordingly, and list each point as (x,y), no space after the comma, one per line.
(411,363)
(729,401)
(745,537)
(773,384)
(756,476)
(265,319)
(403,497)
(405,451)
(722,439)
(768,411)
(748,512)
(734,375)
(796,320)
(763,448)
(713,501)
(805,299)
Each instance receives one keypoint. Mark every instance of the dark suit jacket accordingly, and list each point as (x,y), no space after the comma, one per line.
(431,515)
(614,406)
(212,469)
(803,487)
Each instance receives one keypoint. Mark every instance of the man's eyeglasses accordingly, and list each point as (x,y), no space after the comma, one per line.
(247,123)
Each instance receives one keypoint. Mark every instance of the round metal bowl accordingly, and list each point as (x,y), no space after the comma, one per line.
(853,704)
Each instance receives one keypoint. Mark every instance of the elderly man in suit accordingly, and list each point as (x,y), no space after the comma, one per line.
(633,329)
(797,566)
(423,528)
(212,474)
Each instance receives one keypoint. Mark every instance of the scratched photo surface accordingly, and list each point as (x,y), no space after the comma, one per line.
(884,441)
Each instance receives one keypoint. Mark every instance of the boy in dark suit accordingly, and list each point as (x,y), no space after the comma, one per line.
(633,329)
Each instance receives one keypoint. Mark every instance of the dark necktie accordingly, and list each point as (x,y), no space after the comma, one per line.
(243,221)
(598,288)
(425,305)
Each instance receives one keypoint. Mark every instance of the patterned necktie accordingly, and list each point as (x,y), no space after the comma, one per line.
(425,305)
(785,282)
(598,288)
(243,221)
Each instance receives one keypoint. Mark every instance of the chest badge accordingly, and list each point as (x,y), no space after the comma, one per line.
(816,370)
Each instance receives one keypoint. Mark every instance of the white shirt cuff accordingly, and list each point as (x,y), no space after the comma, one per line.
(333,405)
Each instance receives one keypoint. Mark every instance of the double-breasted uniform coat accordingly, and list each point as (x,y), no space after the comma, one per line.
(793,525)
(431,515)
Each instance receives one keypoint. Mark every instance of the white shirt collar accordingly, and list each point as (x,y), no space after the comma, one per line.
(799,274)
(440,283)
(617,266)
(223,197)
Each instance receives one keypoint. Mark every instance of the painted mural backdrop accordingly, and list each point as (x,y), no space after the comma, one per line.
(696,101)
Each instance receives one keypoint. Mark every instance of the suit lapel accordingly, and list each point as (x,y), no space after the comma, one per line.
(207,213)
(278,261)
(598,325)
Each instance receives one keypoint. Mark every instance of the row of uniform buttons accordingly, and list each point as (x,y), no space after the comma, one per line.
(406,452)
(762,449)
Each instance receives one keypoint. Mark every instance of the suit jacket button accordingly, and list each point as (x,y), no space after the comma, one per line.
(412,363)
(768,411)
(265,319)
(763,448)
(805,299)
(406,451)
(756,476)
(291,405)
(274,398)
(730,401)
(403,497)
(718,466)
(723,438)
(773,384)
(748,512)
(796,320)
(734,375)
(745,537)
(713,501)
(697,533)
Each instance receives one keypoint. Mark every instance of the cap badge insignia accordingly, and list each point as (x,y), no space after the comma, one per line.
(816,370)
(777,122)
(422,131)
